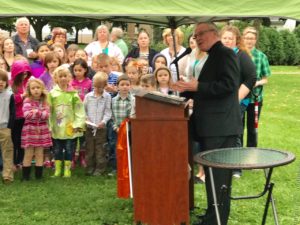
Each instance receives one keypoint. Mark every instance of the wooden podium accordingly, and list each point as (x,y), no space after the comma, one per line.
(162,191)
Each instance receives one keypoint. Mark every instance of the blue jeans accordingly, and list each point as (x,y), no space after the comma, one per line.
(63,149)
(112,141)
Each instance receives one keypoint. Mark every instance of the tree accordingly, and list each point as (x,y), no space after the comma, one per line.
(77,23)
(291,47)
(8,24)
(38,22)
(271,43)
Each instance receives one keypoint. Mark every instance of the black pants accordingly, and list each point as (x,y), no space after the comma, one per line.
(16,138)
(222,179)
(251,133)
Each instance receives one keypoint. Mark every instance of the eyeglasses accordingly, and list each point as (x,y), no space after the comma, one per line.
(201,33)
(249,38)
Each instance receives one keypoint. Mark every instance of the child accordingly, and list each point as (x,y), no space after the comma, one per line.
(67,119)
(71,50)
(20,74)
(132,72)
(158,61)
(35,133)
(104,65)
(83,85)
(81,54)
(147,82)
(143,65)
(37,67)
(98,111)
(52,61)
(116,67)
(7,116)
(163,79)
(60,49)
(81,82)
(123,107)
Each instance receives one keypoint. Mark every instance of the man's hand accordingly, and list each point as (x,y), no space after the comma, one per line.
(181,85)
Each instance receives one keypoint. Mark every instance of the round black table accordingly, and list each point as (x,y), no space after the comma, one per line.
(245,158)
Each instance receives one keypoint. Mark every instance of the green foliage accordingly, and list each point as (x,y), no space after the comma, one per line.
(271,43)
(291,48)
(8,24)
(297,33)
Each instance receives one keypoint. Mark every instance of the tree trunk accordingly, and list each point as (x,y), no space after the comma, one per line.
(38,23)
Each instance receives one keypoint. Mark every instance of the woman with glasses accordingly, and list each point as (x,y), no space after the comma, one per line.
(250,37)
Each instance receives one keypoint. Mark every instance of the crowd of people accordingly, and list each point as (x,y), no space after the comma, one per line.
(62,105)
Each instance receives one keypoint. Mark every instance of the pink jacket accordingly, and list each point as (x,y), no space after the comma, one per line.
(18,68)
(83,87)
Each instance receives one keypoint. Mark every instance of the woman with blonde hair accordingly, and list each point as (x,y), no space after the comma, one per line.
(170,52)
(103,45)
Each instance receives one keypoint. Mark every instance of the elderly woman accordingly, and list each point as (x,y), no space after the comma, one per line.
(143,50)
(103,45)
(116,36)
(169,52)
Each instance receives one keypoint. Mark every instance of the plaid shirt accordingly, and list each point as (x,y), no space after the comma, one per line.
(98,109)
(262,70)
(122,109)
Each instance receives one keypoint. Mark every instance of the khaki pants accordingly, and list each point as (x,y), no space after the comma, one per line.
(37,152)
(96,154)
(7,153)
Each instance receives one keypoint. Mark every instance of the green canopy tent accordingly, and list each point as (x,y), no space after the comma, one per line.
(170,13)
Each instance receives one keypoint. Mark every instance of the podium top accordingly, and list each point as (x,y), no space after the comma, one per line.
(160,97)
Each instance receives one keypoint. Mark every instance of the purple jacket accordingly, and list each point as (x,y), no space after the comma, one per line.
(37,68)
(47,80)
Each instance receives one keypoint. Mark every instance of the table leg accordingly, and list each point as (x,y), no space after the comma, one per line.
(214,194)
(266,171)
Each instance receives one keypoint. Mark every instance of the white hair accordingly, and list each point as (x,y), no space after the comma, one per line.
(22,19)
(117,31)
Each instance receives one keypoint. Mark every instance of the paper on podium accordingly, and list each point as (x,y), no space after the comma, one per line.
(158,96)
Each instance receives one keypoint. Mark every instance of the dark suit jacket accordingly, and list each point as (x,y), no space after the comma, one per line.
(216,109)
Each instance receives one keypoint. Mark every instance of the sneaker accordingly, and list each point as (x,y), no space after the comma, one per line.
(112,173)
(98,173)
(237,174)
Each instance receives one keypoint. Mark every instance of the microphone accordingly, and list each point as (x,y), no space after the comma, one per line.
(186,52)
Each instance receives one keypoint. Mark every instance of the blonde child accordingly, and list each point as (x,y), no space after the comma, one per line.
(98,112)
(20,74)
(7,116)
(67,119)
(147,82)
(133,72)
(37,66)
(116,67)
(52,61)
(35,133)
(163,79)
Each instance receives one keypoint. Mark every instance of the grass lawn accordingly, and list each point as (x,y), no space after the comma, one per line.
(92,200)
